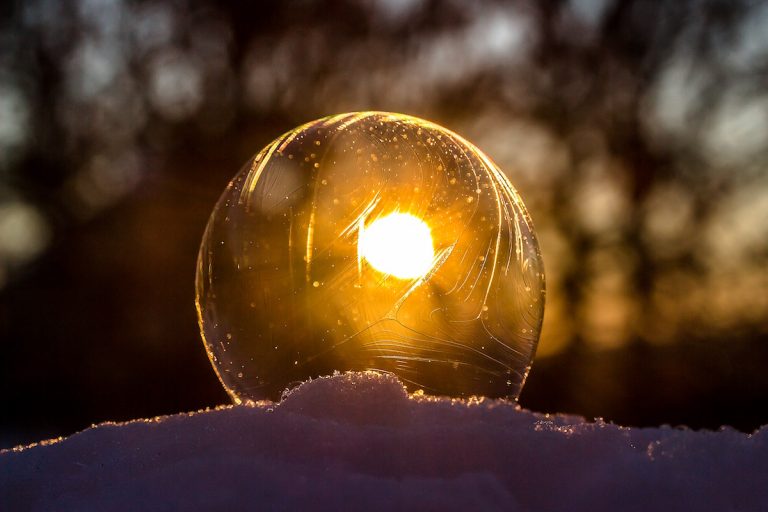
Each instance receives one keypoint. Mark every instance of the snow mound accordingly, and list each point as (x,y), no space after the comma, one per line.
(358,441)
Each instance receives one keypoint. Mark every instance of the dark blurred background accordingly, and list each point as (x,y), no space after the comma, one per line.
(636,132)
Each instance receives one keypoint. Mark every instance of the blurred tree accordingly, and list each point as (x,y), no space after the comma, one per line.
(635,130)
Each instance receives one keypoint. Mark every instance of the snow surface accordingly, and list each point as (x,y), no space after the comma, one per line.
(358,441)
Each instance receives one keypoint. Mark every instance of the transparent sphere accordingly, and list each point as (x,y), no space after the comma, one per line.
(370,241)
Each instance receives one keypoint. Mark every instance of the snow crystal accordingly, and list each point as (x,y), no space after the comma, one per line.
(359,441)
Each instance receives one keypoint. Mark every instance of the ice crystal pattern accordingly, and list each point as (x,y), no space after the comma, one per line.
(286,291)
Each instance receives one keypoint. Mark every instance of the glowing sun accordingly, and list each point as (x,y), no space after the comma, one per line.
(398,244)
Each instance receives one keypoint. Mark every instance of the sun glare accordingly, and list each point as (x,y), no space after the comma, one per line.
(398,244)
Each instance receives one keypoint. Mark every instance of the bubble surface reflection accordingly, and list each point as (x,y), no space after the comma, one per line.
(370,241)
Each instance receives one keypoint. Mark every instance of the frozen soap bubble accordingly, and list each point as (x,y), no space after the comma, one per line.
(370,241)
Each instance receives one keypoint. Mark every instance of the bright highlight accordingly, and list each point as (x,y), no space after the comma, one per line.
(398,244)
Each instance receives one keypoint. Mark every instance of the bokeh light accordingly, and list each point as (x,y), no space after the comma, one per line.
(635,131)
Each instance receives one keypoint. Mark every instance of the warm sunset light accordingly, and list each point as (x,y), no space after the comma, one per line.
(398,244)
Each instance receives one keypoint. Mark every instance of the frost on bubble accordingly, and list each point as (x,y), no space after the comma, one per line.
(370,241)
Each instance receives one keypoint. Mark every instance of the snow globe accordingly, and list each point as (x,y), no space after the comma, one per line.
(370,241)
